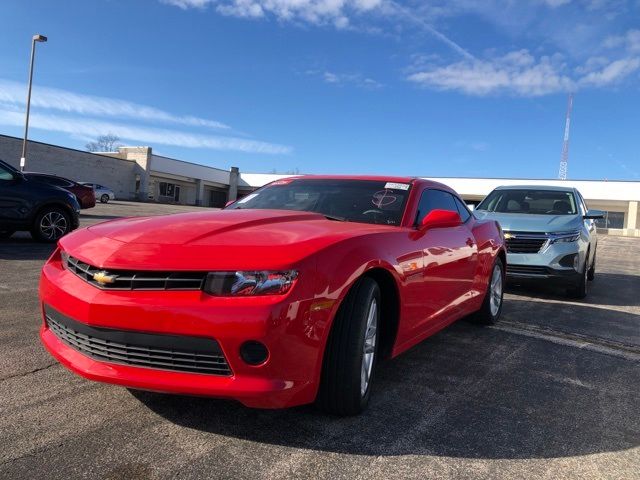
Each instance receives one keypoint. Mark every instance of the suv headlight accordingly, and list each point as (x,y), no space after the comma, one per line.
(565,237)
(246,283)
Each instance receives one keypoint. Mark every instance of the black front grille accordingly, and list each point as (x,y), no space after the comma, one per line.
(136,280)
(166,352)
(526,270)
(525,242)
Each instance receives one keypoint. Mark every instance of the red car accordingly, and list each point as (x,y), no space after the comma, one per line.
(85,195)
(286,297)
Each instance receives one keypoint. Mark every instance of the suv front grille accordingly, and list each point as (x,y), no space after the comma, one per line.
(520,242)
(135,280)
(166,352)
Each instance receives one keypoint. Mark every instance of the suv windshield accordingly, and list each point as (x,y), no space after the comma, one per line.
(530,201)
(364,201)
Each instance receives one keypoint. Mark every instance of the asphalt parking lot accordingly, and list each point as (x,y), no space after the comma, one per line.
(552,391)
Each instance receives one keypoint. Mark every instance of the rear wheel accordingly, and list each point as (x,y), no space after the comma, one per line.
(104,198)
(351,352)
(491,308)
(51,224)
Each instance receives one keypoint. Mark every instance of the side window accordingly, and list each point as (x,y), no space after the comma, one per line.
(462,210)
(584,204)
(434,200)
(5,175)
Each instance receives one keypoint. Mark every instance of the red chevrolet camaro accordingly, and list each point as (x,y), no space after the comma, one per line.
(286,297)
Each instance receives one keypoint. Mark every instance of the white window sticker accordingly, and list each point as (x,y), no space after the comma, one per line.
(397,186)
(247,198)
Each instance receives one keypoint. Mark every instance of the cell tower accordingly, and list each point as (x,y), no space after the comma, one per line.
(564,159)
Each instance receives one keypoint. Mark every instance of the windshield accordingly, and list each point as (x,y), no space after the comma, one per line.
(364,201)
(530,201)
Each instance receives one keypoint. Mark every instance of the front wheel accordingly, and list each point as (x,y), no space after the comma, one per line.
(491,308)
(591,273)
(351,352)
(104,198)
(579,288)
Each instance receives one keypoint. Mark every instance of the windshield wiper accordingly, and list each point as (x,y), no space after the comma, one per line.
(334,217)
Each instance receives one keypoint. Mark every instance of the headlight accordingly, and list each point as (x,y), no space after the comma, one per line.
(64,258)
(565,237)
(242,284)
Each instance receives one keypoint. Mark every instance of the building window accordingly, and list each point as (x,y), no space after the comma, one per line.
(611,220)
(170,190)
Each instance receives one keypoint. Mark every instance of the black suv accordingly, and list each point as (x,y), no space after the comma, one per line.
(46,211)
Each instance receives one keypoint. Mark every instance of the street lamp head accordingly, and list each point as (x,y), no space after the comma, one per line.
(39,38)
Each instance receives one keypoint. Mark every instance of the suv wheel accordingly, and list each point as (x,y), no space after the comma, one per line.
(51,224)
(591,274)
(579,290)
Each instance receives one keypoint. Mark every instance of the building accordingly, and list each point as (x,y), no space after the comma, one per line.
(136,173)
(133,173)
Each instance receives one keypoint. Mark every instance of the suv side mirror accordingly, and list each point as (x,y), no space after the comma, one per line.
(441,219)
(594,215)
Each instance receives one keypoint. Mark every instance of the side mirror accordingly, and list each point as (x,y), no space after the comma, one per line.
(594,215)
(441,219)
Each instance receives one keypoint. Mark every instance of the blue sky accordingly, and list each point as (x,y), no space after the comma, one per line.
(431,88)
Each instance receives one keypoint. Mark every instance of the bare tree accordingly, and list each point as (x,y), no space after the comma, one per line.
(104,143)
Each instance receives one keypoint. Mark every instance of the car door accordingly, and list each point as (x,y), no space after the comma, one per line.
(450,259)
(15,201)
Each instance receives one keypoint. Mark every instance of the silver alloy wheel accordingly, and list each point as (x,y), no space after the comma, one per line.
(495,290)
(53,225)
(369,347)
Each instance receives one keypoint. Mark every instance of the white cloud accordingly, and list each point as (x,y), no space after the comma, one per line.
(65,101)
(629,41)
(612,73)
(517,72)
(88,128)
(354,79)
(312,11)
(520,73)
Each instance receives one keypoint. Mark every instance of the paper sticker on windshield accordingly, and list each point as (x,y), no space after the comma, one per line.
(397,186)
(247,198)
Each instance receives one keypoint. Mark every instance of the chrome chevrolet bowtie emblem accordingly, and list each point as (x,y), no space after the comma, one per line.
(103,278)
(508,235)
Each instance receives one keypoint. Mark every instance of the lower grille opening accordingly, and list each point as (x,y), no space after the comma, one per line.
(166,352)
(526,270)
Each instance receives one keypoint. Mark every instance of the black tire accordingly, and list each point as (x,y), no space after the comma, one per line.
(58,219)
(341,386)
(591,273)
(6,233)
(104,198)
(488,314)
(578,289)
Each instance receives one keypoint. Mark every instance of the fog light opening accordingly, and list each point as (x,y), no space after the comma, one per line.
(254,353)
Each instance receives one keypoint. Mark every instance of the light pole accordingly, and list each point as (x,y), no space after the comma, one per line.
(36,38)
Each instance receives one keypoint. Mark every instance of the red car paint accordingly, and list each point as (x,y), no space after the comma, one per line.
(438,274)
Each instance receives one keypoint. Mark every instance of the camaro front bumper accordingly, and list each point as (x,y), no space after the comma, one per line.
(82,322)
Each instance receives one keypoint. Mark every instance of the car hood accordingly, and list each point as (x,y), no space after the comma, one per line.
(531,223)
(226,239)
